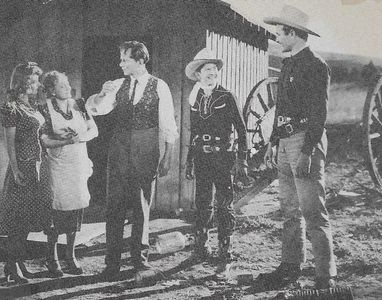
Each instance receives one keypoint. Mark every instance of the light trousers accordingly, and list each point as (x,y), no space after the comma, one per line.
(302,202)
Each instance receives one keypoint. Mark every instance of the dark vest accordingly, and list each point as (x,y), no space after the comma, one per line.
(143,115)
(134,147)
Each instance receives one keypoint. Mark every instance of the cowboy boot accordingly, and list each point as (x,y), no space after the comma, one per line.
(202,251)
(224,257)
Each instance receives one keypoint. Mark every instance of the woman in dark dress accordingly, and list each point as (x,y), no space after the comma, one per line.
(26,199)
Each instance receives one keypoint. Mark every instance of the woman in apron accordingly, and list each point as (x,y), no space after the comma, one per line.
(68,128)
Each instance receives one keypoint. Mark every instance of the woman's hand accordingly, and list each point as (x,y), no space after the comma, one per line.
(69,135)
(74,139)
(19,177)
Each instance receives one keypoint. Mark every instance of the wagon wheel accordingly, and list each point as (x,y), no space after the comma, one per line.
(259,113)
(372,130)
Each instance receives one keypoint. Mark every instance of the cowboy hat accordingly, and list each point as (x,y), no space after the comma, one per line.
(204,56)
(292,17)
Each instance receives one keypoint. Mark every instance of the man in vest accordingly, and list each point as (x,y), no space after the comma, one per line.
(300,137)
(142,106)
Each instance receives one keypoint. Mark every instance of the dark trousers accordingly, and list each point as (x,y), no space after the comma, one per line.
(214,169)
(138,200)
(132,163)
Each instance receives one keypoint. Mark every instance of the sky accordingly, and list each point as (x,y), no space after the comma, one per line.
(345,26)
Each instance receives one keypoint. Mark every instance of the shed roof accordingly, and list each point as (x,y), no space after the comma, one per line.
(237,13)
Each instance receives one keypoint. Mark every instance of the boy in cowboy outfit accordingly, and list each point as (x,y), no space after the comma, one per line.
(300,137)
(213,114)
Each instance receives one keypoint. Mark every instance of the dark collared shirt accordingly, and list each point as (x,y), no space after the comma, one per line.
(217,115)
(303,89)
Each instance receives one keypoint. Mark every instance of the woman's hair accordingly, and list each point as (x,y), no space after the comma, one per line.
(20,79)
(138,50)
(50,80)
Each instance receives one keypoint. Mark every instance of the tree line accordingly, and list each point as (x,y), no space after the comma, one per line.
(363,75)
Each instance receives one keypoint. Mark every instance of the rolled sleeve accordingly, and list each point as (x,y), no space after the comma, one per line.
(108,102)
(167,123)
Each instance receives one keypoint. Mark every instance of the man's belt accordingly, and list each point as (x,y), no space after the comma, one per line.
(287,126)
(207,143)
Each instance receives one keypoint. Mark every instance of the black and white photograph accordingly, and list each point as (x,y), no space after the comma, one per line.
(191,149)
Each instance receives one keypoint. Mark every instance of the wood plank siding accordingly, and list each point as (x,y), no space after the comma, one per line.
(81,38)
(243,65)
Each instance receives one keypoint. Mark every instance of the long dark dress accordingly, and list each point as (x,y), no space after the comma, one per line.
(27,208)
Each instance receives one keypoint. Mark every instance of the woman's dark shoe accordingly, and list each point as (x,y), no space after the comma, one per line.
(24,270)
(54,268)
(13,272)
(73,267)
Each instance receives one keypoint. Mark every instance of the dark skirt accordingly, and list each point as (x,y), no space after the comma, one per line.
(27,208)
(67,221)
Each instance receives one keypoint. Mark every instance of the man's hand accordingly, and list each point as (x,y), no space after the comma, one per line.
(270,157)
(107,87)
(240,168)
(164,165)
(303,165)
(240,174)
(190,170)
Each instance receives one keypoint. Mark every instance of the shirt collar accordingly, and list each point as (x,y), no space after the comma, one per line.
(142,79)
(299,55)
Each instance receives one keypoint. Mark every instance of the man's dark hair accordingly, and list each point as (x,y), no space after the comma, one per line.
(300,33)
(138,50)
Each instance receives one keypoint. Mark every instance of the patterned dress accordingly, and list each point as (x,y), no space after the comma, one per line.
(26,208)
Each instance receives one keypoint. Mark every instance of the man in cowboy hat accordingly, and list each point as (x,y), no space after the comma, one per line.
(213,113)
(300,137)
(142,105)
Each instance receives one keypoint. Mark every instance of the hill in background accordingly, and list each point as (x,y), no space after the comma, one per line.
(351,76)
(345,67)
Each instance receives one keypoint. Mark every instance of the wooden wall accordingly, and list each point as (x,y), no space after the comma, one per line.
(56,36)
(244,64)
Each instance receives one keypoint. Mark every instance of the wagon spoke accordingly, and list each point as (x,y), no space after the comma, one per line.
(375,135)
(254,113)
(262,102)
(258,109)
(377,122)
(270,96)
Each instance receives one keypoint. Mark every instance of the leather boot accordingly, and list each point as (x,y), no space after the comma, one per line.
(224,257)
(284,275)
(12,272)
(202,251)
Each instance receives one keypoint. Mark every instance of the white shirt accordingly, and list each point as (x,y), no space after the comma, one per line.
(167,123)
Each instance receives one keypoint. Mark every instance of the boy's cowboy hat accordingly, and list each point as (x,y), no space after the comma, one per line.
(204,56)
(293,17)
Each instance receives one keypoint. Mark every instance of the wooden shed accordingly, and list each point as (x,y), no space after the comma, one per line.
(81,38)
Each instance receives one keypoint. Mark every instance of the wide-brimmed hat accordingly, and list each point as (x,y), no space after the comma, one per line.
(204,56)
(293,17)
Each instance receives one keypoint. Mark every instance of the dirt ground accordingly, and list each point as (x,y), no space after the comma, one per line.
(355,209)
